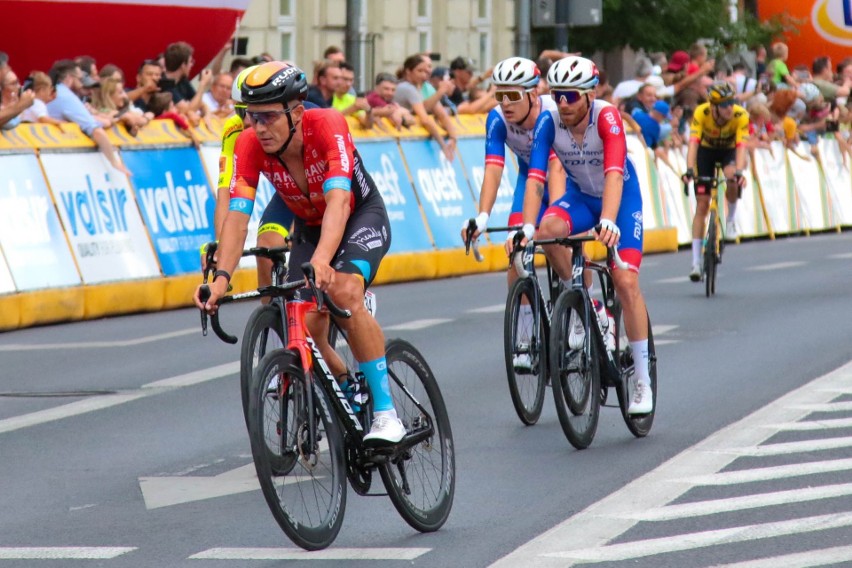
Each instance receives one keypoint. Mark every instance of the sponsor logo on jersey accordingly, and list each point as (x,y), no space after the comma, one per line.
(341,147)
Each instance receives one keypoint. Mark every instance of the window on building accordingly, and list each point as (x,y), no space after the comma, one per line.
(484,50)
(424,8)
(285,7)
(483,9)
(287,46)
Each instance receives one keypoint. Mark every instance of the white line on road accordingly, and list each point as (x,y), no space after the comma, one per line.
(843,255)
(767,473)
(713,506)
(674,280)
(63,553)
(595,527)
(98,344)
(94,403)
(778,265)
(809,559)
(417,324)
(826,407)
(639,549)
(790,447)
(813,425)
(298,554)
(496,308)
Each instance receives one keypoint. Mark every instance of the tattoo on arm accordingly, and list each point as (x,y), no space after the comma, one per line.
(539,189)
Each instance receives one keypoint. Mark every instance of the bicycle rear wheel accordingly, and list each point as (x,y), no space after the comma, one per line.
(524,347)
(710,258)
(420,481)
(638,424)
(575,374)
(308,499)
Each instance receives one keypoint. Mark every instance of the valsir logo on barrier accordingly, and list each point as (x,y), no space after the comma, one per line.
(176,207)
(96,209)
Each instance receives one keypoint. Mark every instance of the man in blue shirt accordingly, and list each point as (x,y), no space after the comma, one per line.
(650,122)
(67,77)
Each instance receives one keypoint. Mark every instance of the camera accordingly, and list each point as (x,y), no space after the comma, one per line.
(26,86)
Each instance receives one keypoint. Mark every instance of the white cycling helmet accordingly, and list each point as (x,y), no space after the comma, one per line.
(237,85)
(573,72)
(516,72)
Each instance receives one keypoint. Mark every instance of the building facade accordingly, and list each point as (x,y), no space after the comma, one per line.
(391,30)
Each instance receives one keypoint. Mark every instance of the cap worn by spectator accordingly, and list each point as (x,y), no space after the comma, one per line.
(88,81)
(461,64)
(664,109)
(439,72)
(678,61)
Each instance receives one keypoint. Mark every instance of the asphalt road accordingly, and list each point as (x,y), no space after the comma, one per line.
(122,439)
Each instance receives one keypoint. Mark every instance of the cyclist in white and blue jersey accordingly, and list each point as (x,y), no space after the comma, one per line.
(588,137)
(511,124)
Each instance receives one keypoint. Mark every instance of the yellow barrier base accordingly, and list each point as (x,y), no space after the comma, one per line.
(10,312)
(123,297)
(407,266)
(51,306)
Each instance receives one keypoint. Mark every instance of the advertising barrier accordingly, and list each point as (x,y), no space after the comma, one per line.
(809,193)
(176,203)
(472,154)
(31,235)
(838,180)
(101,219)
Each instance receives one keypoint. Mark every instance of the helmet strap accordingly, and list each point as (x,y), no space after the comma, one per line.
(289,138)
(529,97)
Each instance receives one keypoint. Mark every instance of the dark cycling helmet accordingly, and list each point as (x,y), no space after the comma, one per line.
(720,92)
(274,82)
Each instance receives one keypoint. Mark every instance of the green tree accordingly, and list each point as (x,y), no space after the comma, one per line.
(669,25)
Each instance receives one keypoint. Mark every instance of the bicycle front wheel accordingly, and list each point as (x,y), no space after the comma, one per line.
(308,498)
(264,333)
(524,346)
(638,424)
(710,256)
(575,374)
(420,481)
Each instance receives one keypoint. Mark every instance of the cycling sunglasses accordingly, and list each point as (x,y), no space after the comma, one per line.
(570,96)
(509,96)
(725,104)
(265,117)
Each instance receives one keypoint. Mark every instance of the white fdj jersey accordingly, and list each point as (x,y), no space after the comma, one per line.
(500,132)
(603,149)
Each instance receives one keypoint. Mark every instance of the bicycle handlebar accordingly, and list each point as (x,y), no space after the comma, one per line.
(517,260)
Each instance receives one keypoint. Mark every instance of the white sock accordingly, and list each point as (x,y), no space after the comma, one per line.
(732,208)
(525,319)
(696,251)
(390,413)
(641,360)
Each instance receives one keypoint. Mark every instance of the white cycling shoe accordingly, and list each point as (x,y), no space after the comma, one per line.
(522,362)
(577,334)
(695,275)
(387,428)
(730,231)
(643,399)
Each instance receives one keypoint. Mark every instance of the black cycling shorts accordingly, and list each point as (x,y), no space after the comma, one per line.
(366,240)
(706,160)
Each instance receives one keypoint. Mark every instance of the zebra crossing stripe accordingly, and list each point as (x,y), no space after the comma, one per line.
(63,552)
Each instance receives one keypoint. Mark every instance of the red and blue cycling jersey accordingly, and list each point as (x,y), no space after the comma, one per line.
(330,160)
(603,150)
(500,133)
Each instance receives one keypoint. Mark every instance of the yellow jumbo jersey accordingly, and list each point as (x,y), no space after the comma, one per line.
(711,135)
(231,129)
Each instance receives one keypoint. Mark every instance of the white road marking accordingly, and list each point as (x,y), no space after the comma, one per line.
(842,255)
(808,559)
(63,552)
(767,473)
(674,280)
(299,554)
(91,404)
(417,324)
(700,508)
(790,447)
(496,308)
(99,344)
(826,407)
(661,329)
(584,536)
(813,425)
(650,547)
(778,265)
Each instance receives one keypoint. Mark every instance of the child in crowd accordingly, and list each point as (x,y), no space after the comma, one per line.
(44,92)
(162,105)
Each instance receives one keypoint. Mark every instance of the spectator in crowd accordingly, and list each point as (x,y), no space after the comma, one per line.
(67,76)
(111,71)
(12,101)
(238,64)
(759,61)
(179,62)
(467,97)
(643,100)
(4,64)
(817,112)
(162,106)
(218,98)
(777,69)
(650,122)
(383,105)
(44,92)
(745,87)
(432,94)
(85,86)
(761,130)
(824,80)
(334,53)
(440,75)
(415,72)
(780,106)
(147,84)
(87,65)
(347,103)
(629,87)
(112,100)
(327,77)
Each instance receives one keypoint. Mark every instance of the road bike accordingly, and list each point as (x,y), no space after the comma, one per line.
(581,378)
(307,435)
(525,334)
(713,244)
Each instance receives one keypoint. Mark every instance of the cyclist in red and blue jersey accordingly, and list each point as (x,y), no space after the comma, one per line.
(511,124)
(341,226)
(602,188)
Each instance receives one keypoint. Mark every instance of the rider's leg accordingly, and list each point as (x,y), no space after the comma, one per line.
(731,197)
(699,221)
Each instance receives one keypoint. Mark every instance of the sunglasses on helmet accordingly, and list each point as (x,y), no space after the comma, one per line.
(570,96)
(510,95)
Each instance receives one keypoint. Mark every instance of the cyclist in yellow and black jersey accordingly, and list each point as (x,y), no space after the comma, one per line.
(718,135)
(277,217)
